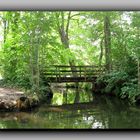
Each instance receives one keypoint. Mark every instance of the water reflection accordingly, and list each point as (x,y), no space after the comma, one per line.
(71,96)
(78,109)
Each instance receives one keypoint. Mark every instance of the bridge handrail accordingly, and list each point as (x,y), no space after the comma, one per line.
(62,70)
(75,66)
(66,73)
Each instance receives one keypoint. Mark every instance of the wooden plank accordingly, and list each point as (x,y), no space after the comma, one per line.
(73,70)
(70,74)
(67,66)
(71,66)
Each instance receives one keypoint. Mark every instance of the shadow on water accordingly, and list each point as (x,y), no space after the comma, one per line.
(78,109)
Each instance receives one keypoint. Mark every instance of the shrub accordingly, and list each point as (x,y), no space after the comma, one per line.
(119,84)
(130,90)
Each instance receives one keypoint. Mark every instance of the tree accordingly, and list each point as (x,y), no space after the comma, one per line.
(136,49)
(63,30)
(107,41)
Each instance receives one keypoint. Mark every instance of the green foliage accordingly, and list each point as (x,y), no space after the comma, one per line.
(112,80)
(120,84)
(32,41)
(130,91)
(131,67)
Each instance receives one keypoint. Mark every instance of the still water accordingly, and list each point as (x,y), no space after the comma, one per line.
(76,109)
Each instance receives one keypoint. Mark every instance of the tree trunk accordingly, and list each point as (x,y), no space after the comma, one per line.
(5,31)
(65,100)
(107,42)
(13,48)
(34,60)
(138,76)
(101,52)
(63,32)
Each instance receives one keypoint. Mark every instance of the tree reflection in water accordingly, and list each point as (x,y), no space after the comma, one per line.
(76,109)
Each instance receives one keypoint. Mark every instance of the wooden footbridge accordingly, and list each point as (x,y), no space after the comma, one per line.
(63,73)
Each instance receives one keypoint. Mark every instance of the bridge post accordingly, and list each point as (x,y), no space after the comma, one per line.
(59,74)
(85,74)
(94,86)
(80,71)
(56,73)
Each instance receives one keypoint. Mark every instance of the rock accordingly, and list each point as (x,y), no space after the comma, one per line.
(23,104)
(5,105)
(2,105)
(26,103)
(34,101)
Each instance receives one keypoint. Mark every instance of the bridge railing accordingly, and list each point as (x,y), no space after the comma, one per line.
(59,71)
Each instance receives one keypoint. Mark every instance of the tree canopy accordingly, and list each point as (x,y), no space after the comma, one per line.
(33,40)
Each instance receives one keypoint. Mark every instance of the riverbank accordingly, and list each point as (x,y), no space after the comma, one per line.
(8,98)
(15,100)
(119,84)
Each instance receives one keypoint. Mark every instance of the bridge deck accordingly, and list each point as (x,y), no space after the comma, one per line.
(70,79)
(57,73)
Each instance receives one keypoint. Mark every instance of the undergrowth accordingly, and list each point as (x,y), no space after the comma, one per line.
(119,84)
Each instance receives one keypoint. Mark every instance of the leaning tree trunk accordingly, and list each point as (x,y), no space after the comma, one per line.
(65,39)
(107,43)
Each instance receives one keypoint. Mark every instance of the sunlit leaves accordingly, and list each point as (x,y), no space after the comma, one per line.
(40,28)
